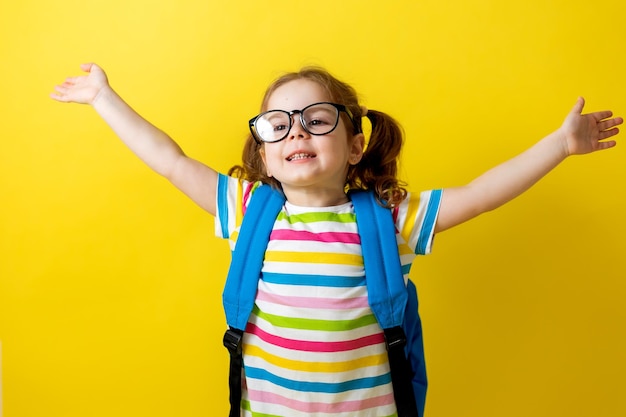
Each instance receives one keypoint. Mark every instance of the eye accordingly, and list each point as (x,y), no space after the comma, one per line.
(318,122)
(276,121)
(321,117)
(279,127)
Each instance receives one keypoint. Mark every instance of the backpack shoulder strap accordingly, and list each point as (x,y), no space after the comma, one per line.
(247,258)
(387,294)
(243,279)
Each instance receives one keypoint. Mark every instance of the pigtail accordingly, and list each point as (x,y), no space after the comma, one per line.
(378,167)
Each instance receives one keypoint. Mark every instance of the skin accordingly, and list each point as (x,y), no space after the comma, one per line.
(154,147)
(318,179)
(579,134)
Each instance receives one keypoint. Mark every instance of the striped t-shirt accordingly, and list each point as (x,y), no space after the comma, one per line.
(312,346)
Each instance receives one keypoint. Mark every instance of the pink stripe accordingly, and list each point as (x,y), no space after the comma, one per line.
(246,196)
(328,237)
(317,407)
(394,214)
(310,346)
(314,302)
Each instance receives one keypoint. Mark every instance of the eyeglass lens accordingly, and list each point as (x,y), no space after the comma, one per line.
(318,119)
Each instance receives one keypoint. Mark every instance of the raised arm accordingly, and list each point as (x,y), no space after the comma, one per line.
(149,143)
(579,134)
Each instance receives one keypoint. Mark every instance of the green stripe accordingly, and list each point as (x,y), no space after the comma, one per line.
(315,324)
(317,217)
(246,406)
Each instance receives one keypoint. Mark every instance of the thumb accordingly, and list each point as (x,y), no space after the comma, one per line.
(87,67)
(578,107)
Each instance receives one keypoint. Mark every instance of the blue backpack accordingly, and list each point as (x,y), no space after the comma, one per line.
(393,303)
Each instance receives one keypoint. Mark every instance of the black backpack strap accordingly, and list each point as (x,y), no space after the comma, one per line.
(401,372)
(243,277)
(387,293)
(232,341)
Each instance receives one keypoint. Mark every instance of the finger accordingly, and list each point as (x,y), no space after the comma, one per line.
(63,89)
(59,97)
(578,107)
(87,67)
(68,85)
(71,80)
(609,123)
(601,115)
(606,145)
(608,133)
(618,121)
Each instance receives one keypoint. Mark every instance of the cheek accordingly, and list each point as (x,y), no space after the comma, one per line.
(268,156)
(267,153)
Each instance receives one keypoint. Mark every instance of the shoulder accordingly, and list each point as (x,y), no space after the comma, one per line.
(232,199)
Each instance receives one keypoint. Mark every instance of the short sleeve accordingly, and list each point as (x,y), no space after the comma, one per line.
(416,218)
(232,196)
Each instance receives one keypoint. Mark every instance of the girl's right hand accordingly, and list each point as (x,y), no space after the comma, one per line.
(83,89)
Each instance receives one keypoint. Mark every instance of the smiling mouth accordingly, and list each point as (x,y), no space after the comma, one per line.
(300,156)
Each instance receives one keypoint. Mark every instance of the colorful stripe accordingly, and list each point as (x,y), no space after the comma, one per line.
(411,212)
(315,324)
(328,237)
(313,280)
(307,386)
(317,216)
(314,258)
(313,346)
(222,206)
(315,367)
(313,302)
(428,228)
(320,407)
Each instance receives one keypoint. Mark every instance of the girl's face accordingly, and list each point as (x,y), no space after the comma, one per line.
(311,169)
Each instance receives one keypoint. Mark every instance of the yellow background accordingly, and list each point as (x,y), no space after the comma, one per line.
(110,279)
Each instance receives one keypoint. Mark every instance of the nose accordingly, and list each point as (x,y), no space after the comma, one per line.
(297,128)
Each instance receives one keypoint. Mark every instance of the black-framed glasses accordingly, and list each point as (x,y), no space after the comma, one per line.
(317,119)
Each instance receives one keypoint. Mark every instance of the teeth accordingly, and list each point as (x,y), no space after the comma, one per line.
(299,156)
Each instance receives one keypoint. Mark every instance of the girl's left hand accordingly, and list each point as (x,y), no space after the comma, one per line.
(586,133)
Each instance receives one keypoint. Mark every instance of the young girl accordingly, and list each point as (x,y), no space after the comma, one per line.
(312,346)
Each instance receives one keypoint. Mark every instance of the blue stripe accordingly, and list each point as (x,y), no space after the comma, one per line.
(429,222)
(313,280)
(326,387)
(222,203)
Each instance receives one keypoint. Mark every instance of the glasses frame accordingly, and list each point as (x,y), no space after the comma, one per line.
(340,108)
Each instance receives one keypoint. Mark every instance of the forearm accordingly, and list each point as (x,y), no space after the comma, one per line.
(513,177)
(149,143)
(502,183)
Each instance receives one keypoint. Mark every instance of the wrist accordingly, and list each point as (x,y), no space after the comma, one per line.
(561,143)
(104,93)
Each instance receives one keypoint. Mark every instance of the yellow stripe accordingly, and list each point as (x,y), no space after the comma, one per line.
(314,258)
(403,249)
(328,367)
(411,215)
(239,205)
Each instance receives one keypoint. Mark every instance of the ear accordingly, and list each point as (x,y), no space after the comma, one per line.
(262,153)
(356,149)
